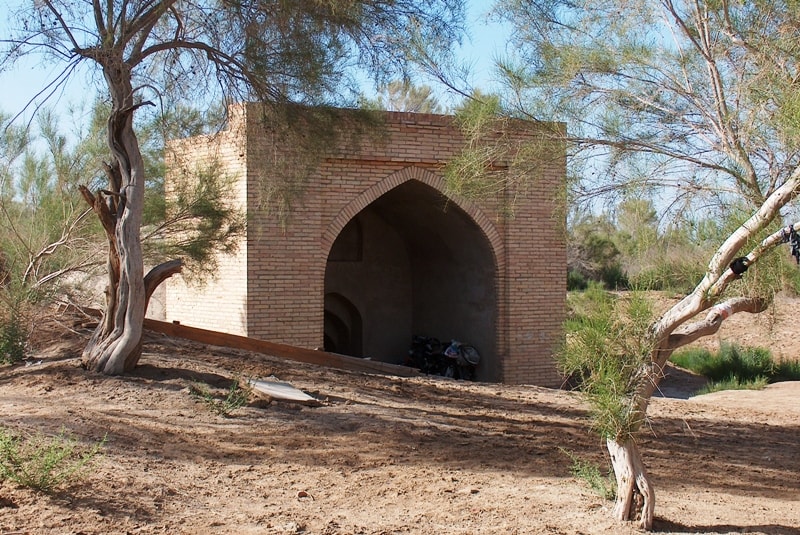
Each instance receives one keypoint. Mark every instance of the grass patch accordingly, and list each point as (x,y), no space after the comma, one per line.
(604,486)
(44,463)
(734,383)
(737,368)
(235,397)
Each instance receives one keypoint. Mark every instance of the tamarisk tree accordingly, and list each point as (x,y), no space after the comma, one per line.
(697,104)
(307,51)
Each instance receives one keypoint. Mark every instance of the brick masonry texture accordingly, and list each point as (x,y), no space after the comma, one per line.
(273,288)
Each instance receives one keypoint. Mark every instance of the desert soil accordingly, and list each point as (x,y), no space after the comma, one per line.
(388,455)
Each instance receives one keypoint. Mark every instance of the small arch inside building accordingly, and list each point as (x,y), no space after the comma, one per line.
(411,263)
(342,326)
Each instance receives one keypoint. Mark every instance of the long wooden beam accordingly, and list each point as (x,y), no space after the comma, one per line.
(298,354)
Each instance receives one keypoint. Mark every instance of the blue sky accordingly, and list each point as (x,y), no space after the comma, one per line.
(20,85)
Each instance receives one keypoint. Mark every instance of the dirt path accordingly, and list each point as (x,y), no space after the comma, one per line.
(382,455)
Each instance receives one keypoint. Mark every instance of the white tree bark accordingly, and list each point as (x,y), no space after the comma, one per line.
(636,500)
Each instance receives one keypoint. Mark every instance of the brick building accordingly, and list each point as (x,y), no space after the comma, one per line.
(374,252)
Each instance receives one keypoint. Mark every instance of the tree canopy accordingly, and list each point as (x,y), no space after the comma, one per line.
(693,100)
(309,51)
(399,95)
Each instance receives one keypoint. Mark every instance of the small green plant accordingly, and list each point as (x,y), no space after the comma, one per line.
(604,486)
(694,359)
(235,397)
(791,280)
(614,277)
(44,463)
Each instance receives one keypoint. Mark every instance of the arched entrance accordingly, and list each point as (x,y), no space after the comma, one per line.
(413,263)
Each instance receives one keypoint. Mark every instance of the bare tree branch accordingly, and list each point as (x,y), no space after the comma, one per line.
(691,332)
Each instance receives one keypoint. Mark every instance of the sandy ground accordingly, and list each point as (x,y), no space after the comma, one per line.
(387,455)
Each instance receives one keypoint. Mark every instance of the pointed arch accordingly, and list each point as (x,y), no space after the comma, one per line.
(433,180)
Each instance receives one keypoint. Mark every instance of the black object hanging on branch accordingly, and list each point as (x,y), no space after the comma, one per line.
(740,265)
(793,238)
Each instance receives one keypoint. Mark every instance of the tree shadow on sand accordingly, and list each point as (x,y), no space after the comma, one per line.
(667,526)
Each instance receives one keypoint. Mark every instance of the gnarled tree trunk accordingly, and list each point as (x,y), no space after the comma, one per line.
(635,495)
(116,347)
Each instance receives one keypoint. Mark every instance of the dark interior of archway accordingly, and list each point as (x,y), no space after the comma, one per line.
(408,264)
(342,326)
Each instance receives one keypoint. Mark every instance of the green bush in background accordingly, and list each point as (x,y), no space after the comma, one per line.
(736,367)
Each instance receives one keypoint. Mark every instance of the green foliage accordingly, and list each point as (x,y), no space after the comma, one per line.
(47,231)
(594,255)
(608,70)
(299,138)
(679,275)
(176,121)
(613,277)
(402,95)
(17,305)
(198,221)
(53,232)
(604,486)
(500,157)
(773,273)
(637,226)
(786,371)
(576,281)
(626,248)
(235,397)
(44,463)
(735,367)
(790,280)
(13,337)
(694,359)
(606,344)
(470,174)
(290,56)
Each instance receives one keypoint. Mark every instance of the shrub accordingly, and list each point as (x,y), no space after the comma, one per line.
(679,277)
(693,359)
(614,277)
(605,344)
(786,371)
(17,311)
(44,463)
(792,282)
(576,281)
(13,337)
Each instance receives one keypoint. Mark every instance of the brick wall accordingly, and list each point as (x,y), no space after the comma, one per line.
(274,289)
(219,303)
